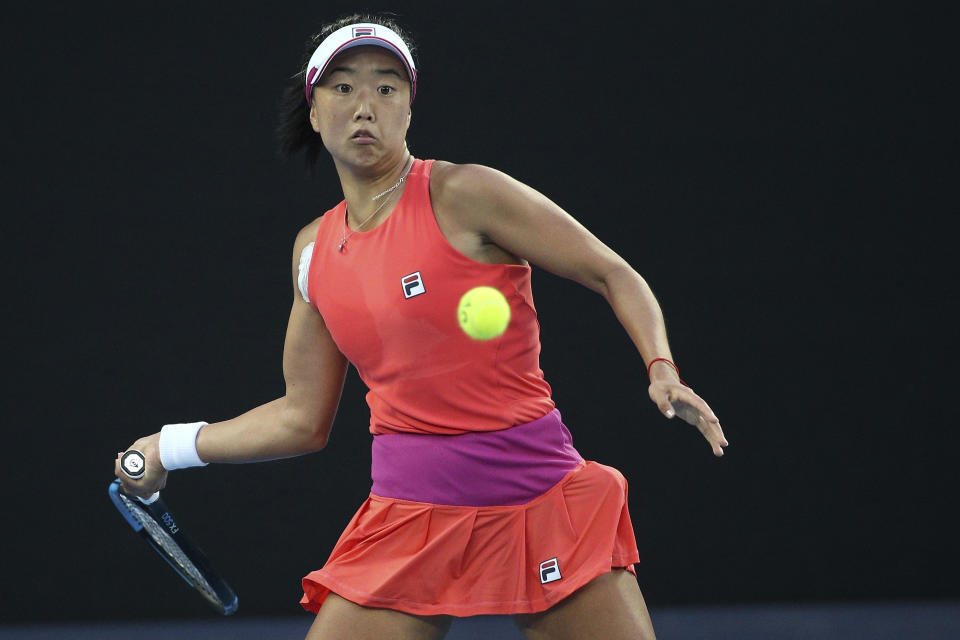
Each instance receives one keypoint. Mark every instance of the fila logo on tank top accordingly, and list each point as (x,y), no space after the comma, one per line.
(412,285)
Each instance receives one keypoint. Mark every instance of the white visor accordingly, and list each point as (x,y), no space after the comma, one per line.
(355,35)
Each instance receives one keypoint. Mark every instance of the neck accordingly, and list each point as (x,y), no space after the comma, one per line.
(359,189)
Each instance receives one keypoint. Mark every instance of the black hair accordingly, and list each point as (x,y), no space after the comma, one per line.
(294,132)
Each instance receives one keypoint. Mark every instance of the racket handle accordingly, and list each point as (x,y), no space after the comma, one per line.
(134,464)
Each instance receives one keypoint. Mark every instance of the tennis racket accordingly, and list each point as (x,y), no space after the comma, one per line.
(152,519)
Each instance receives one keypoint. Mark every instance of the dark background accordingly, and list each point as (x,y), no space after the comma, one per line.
(781,173)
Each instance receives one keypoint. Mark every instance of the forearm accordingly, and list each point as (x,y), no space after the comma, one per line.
(278,429)
(269,432)
(638,311)
(300,421)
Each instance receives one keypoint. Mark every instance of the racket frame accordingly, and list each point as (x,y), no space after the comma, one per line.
(159,513)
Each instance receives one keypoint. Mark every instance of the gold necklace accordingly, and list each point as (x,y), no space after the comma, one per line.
(346,235)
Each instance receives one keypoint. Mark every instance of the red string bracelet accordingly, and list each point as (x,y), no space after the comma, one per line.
(670,362)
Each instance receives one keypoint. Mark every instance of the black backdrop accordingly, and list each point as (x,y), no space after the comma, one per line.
(781,173)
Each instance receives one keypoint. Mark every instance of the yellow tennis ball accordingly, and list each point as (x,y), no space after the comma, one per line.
(483,313)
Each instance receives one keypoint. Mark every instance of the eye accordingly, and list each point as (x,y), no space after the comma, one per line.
(386,90)
(342,87)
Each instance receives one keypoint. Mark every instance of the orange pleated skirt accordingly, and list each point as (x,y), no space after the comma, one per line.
(429,559)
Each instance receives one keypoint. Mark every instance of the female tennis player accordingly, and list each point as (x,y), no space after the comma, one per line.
(480,504)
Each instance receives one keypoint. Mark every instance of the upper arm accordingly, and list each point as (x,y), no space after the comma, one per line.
(313,366)
(524,222)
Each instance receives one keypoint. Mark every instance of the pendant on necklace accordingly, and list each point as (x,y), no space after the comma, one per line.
(346,218)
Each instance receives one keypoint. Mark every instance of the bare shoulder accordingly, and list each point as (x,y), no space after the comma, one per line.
(305,236)
(496,209)
(454,181)
(472,194)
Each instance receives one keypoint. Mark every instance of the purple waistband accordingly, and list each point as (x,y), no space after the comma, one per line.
(477,469)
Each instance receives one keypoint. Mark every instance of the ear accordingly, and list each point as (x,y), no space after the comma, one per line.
(314,118)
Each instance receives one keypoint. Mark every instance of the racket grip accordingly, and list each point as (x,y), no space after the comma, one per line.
(134,464)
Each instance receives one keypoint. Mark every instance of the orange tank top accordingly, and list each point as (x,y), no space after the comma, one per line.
(389,300)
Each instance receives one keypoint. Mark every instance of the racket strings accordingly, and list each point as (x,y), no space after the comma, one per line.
(172,551)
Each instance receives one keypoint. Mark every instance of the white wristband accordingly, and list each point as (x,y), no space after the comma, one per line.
(178,446)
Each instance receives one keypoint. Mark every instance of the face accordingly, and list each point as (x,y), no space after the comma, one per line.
(361,107)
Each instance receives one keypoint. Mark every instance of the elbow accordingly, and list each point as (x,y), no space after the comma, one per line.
(310,429)
(320,439)
(317,434)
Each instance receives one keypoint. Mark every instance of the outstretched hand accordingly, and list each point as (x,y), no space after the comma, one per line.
(676,399)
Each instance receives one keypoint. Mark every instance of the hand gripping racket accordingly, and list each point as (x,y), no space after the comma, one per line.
(153,520)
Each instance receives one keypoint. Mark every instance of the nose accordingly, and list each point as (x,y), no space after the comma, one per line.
(364,110)
(362,113)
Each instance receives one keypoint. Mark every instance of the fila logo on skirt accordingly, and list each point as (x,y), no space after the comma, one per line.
(549,571)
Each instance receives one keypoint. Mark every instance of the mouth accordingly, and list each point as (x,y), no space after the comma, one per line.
(363,137)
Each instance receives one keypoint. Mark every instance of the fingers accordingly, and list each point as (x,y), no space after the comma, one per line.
(153,479)
(668,396)
(709,428)
(714,434)
(675,399)
(662,399)
(687,396)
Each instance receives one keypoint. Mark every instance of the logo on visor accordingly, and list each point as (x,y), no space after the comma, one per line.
(363,31)
(549,571)
(412,285)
